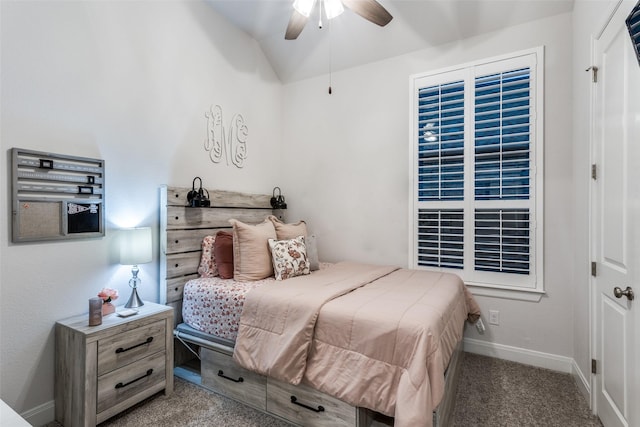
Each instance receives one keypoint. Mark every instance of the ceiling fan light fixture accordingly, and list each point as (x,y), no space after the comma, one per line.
(370,10)
(304,7)
(333,8)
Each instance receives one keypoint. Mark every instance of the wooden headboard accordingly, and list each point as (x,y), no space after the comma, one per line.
(182,229)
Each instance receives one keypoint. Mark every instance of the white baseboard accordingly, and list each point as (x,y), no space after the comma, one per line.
(521,355)
(534,358)
(583,383)
(41,414)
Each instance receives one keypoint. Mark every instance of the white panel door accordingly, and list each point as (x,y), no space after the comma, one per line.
(616,220)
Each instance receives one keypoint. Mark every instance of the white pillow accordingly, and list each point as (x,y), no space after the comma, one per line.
(312,252)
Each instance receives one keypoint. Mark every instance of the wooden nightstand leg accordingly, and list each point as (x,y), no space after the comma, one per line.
(91,384)
(169,352)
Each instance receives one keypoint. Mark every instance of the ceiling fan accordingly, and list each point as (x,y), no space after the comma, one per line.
(370,10)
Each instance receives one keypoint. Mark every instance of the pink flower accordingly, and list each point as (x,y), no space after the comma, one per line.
(108,295)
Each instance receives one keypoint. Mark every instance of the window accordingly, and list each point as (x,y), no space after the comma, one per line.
(477,155)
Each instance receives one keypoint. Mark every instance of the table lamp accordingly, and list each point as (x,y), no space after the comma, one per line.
(135,248)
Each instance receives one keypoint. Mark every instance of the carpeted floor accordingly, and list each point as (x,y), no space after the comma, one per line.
(491,392)
(494,392)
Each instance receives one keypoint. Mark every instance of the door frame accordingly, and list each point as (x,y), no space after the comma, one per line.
(593,240)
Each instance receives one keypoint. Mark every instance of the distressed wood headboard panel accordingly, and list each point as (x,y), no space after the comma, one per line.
(182,229)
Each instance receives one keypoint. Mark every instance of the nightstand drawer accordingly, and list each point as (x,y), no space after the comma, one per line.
(308,407)
(222,374)
(126,382)
(121,349)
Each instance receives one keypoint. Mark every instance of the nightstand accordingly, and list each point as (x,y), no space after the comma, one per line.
(103,370)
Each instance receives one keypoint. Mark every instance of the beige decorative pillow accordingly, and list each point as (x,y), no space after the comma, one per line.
(288,231)
(289,258)
(251,253)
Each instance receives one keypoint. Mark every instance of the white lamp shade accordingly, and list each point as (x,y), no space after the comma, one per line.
(135,246)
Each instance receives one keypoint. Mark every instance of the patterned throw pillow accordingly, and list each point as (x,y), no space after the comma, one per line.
(289,258)
(208,266)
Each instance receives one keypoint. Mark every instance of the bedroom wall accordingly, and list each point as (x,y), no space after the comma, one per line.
(349,152)
(127,82)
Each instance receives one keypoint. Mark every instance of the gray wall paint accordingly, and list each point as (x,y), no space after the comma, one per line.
(127,82)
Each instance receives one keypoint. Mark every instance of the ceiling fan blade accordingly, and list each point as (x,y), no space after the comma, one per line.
(370,10)
(296,24)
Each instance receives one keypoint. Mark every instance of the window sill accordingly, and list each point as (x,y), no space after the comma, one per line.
(520,294)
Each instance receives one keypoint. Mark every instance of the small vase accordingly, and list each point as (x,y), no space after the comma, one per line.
(108,308)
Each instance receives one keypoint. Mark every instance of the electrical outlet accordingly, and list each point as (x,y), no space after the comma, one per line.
(494,317)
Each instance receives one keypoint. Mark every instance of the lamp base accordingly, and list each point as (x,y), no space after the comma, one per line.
(134,300)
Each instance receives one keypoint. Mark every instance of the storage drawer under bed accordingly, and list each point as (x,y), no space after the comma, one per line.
(306,406)
(220,373)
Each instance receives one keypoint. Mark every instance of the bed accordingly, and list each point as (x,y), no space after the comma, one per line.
(288,353)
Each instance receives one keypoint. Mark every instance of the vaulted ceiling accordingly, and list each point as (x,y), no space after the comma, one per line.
(349,40)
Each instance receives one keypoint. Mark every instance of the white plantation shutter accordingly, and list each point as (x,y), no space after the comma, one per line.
(477,154)
(441,238)
(502,133)
(441,142)
(502,240)
(502,118)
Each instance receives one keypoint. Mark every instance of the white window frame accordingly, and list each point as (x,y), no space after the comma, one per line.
(527,287)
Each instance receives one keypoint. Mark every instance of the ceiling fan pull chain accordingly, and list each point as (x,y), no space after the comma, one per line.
(320,14)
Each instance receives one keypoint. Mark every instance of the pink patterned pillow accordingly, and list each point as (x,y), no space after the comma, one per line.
(208,266)
(289,258)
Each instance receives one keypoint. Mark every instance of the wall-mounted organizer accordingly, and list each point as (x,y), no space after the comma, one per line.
(56,197)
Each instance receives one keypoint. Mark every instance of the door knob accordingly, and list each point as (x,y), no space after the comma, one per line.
(618,293)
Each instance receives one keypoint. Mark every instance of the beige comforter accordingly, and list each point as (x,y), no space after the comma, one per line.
(378,337)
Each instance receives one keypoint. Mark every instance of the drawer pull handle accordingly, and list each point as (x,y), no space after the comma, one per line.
(122,350)
(221,374)
(149,372)
(294,400)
